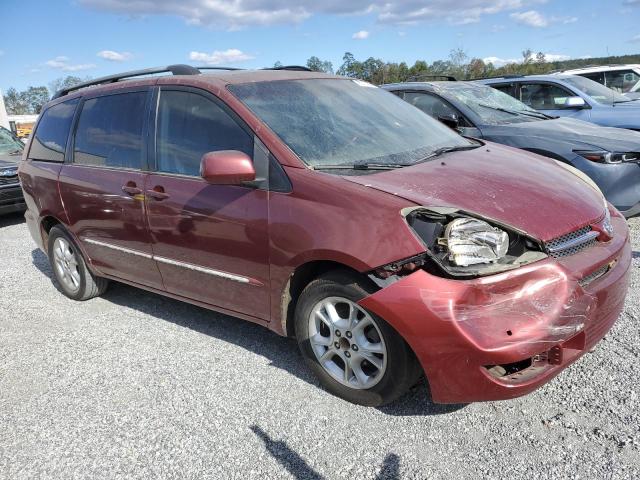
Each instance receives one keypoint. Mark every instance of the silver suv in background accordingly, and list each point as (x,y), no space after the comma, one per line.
(620,78)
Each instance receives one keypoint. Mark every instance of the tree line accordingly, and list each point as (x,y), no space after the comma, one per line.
(373,70)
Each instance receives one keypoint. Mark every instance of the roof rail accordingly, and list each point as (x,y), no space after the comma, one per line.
(295,68)
(174,69)
(425,76)
(219,68)
(501,76)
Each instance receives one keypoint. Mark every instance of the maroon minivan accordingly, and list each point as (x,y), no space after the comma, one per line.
(330,210)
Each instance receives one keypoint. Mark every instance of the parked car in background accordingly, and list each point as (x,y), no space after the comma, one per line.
(571,96)
(330,210)
(609,156)
(11,199)
(621,78)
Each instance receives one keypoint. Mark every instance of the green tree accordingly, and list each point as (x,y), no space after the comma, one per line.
(65,82)
(35,98)
(317,65)
(15,102)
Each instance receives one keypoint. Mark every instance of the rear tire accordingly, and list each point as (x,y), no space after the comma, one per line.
(355,354)
(72,276)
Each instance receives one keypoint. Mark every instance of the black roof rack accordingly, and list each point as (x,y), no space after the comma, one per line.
(174,69)
(424,76)
(295,68)
(178,69)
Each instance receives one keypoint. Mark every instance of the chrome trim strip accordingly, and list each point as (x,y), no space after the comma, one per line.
(116,247)
(168,261)
(574,242)
(198,268)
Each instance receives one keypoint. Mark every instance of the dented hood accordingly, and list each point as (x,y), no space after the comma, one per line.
(517,188)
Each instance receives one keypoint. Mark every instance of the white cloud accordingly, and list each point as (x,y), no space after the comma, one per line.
(114,56)
(635,39)
(530,18)
(231,55)
(62,63)
(549,57)
(361,35)
(569,20)
(241,13)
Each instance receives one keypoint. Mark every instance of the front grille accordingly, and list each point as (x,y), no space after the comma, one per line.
(593,276)
(572,243)
(9,180)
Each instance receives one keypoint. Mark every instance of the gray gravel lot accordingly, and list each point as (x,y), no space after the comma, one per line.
(134,385)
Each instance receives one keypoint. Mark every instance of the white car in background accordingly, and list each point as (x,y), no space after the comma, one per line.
(621,78)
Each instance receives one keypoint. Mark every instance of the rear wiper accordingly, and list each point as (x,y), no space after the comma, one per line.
(361,166)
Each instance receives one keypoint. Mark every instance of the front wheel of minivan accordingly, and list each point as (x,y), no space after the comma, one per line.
(355,354)
(72,275)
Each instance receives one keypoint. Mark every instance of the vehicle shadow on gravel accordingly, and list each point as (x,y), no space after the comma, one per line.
(282,352)
(11,219)
(300,469)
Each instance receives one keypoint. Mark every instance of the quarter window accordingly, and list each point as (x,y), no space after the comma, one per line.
(544,96)
(110,131)
(190,125)
(50,138)
(430,104)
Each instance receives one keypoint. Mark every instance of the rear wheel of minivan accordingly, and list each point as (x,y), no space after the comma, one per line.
(355,354)
(70,269)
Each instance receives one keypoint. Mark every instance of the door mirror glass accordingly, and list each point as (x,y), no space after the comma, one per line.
(574,102)
(227,167)
(451,120)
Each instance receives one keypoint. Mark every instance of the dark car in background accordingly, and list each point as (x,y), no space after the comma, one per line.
(571,96)
(609,156)
(11,199)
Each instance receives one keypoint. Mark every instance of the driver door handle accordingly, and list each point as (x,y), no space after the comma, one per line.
(131,189)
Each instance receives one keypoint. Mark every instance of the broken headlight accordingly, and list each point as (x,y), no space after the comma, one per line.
(459,244)
(470,241)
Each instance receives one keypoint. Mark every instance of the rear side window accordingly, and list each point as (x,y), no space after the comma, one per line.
(430,105)
(190,125)
(110,131)
(50,138)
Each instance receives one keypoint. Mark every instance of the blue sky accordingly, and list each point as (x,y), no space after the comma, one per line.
(44,40)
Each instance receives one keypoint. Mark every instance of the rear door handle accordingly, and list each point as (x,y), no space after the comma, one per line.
(131,188)
(158,193)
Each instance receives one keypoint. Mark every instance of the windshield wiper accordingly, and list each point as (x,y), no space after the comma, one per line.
(517,112)
(361,166)
(443,150)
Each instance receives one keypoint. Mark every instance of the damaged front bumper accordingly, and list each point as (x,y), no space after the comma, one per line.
(504,335)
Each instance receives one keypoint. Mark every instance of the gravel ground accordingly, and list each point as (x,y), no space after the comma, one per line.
(134,385)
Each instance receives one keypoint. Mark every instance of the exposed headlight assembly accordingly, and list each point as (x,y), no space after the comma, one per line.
(470,241)
(459,244)
(603,156)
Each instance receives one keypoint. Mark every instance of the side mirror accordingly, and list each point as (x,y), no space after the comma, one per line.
(227,167)
(574,102)
(451,120)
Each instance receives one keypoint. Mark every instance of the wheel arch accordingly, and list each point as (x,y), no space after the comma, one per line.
(304,274)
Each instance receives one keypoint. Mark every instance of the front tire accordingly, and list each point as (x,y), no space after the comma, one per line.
(69,268)
(356,355)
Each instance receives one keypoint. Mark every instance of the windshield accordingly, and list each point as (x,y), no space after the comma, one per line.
(345,122)
(595,90)
(491,105)
(8,143)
